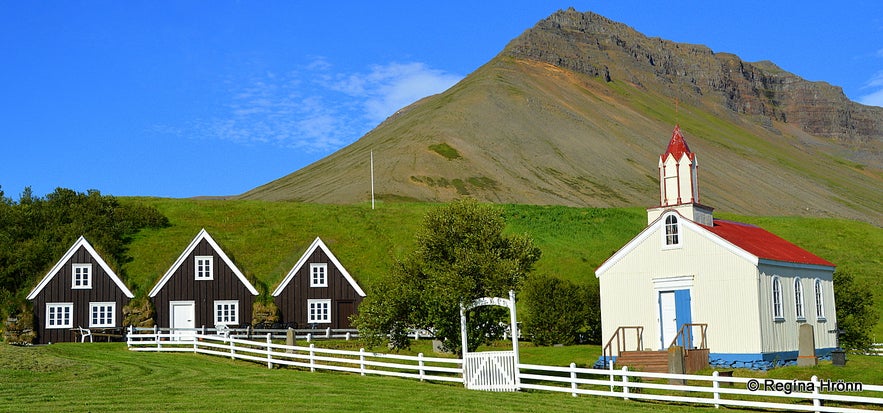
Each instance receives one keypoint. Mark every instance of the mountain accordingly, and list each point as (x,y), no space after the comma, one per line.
(576,110)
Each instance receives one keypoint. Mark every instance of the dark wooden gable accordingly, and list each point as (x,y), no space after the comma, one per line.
(295,291)
(57,288)
(180,284)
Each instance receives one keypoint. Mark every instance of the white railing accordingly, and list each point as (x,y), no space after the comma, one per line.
(309,357)
(875,350)
(817,395)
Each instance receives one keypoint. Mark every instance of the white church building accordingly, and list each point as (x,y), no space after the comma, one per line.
(751,289)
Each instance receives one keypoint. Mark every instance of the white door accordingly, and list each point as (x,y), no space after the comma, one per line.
(182,316)
(667,318)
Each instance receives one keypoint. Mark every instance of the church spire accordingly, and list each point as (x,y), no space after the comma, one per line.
(678,172)
(679,182)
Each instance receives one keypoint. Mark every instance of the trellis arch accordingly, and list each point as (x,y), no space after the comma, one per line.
(491,370)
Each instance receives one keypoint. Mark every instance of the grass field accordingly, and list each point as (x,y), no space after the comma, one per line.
(107,377)
(266,238)
(79,377)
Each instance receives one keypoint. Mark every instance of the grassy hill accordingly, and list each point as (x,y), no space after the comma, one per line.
(576,112)
(265,239)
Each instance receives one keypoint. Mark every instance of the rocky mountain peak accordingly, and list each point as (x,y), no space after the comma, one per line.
(595,45)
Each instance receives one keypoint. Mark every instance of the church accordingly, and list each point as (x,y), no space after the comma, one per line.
(739,291)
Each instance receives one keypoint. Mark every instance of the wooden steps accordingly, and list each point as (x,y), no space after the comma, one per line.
(649,361)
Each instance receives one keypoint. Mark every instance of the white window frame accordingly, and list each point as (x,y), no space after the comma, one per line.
(81,276)
(231,317)
(820,300)
(671,232)
(109,308)
(776,300)
(52,315)
(319,275)
(204,260)
(799,302)
(314,314)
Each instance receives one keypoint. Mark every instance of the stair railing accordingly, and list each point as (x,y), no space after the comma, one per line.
(619,337)
(685,336)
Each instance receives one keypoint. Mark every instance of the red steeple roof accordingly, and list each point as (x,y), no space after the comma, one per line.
(677,146)
(763,244)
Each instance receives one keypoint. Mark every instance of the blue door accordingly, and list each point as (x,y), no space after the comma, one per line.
(674,312)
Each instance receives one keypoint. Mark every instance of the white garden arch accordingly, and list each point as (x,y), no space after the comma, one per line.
(491,370)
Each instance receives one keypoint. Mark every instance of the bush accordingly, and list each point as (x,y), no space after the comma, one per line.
(856,315)
(557,311)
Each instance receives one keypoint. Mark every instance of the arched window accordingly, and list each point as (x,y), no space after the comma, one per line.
(671,230)
(798,299)
(820,300)
(777,299)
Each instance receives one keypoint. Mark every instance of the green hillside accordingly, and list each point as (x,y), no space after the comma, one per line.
(265,239)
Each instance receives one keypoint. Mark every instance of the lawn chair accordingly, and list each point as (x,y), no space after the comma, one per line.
(85,332)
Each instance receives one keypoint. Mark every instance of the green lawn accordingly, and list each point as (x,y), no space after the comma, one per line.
(266,238)
(107,377)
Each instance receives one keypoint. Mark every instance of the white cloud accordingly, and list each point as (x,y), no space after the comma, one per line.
(315,108)
(874,98)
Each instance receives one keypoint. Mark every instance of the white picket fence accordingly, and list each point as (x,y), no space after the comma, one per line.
(875,350)
(814,395)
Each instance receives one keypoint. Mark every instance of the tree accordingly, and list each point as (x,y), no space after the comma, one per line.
(856,315)
(557,311)
(36,231)
(462,254)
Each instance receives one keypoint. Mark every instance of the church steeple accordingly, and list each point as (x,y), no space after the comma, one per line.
(679,182)
(678,173)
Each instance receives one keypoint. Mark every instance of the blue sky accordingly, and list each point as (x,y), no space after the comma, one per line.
(189,98)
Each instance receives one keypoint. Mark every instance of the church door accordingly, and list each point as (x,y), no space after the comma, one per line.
(674,312)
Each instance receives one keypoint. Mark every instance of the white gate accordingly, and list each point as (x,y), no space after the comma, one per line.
(491,370)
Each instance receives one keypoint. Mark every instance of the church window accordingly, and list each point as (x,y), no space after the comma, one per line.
(820,301)
(798,299)
(777,300)
(671,231)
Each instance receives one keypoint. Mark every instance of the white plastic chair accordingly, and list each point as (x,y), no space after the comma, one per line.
(85,332)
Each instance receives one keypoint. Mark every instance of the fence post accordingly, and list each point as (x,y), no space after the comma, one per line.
(156,337)
(309,337)
(420,363)
(625,383)
(610,363)
(815,392)
(573,379)
(347,336)
(716,385)
(328,333)
(232,347)
(312,357)
(269,351)
(362,360)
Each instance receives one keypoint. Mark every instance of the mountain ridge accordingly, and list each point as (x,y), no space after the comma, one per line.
(576,110)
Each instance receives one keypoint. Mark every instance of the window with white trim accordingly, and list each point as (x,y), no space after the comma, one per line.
(820,300)
(59,315)
(204,267)
(81,276)
(319,311)
(227,312)
(798,300)
(319,275)
(102,314)
(778,312)
(672,236)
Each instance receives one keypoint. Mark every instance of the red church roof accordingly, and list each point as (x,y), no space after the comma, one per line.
(677,146)
(763,244)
